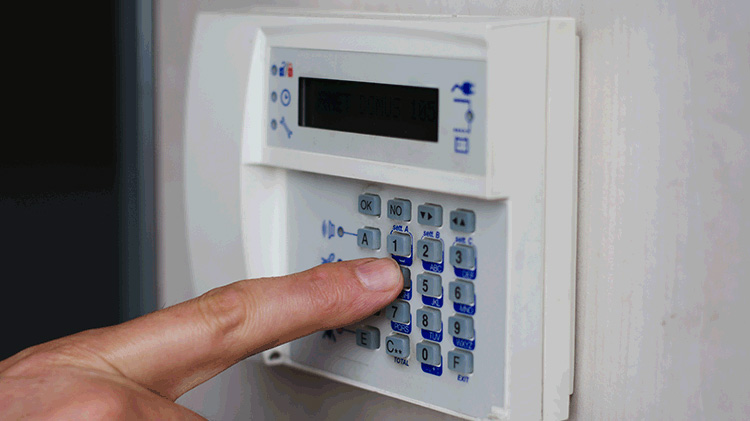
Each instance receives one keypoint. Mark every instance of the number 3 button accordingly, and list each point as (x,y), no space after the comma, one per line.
(463,256)
(430,250)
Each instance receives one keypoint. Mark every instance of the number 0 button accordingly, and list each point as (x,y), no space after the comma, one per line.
(463,256)
(429,353)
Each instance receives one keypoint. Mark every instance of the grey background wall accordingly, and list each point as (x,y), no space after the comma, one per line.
(664,241)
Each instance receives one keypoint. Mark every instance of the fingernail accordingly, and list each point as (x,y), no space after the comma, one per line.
(378,275)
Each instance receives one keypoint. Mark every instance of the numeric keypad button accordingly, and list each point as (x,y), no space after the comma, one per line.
(397,345)
(399,312)
(429,353)
(463,220)
(461,327)
(430,250)
(429,319)
(461,292)
(463,256)
(399,244)
(369,204)
(461,361)
(406,274)
(430,285)
(399,209)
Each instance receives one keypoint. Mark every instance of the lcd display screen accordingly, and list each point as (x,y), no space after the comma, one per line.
(405,112)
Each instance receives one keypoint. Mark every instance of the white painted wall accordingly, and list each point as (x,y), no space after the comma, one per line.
(664,243)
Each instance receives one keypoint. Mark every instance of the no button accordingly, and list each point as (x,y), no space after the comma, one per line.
(399,209)
(369,204)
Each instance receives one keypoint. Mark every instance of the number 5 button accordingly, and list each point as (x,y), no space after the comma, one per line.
(430,250)
(463,256)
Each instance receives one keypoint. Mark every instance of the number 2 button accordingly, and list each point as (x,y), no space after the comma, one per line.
(430,250)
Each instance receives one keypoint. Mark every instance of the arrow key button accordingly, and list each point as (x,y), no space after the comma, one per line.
(463,220)
(430,215)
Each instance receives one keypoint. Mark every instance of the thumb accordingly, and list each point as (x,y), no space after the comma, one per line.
(175,349)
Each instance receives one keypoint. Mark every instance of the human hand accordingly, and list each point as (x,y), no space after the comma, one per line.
(136,370)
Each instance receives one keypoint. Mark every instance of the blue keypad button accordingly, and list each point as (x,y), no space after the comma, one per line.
(461,361)
(406,274)
(461,292)
(368,238)
(399,209)
(461,327)
(399,244)
(429,319)
(430,215)
(463,256)
(430,250)
(399,312)
(430,285)
(429,353)
(463,220)
(397,345)
(368,337)
(369,204)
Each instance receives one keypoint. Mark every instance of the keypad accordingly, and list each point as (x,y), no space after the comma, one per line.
(429,353)
(463,256)
(399,209)
(430,285)
(430,215)
(369,204)
(406,274)
(461,361)
(399,311)
(397,345)
(399,244)
(430,250)
(429,319)
(368,337)
(420,248)
(461,327)
(463,220)
(368,238)
(461,292)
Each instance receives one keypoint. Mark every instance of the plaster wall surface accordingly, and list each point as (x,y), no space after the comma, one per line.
(664,201)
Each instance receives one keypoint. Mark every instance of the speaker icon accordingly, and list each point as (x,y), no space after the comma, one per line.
(329,229)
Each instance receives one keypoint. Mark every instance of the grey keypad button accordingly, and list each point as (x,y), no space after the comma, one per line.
(429,319)
(399,209)
(430,250)
(461,327)
(397,346)
(430,284)
(368,238)
(399,244)
(463,220)
(461,361)
(368,337)
(399,312)
(462,256)
(429,353)
(406,274)
(461,292)
(430,215)
(369,204)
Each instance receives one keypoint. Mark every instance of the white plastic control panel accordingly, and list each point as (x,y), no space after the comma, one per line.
(446,143)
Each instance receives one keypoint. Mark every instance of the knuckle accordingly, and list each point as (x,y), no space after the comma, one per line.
(223,310)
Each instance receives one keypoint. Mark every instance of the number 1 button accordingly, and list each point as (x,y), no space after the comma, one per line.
(399,244)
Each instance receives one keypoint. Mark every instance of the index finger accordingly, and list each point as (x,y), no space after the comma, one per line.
(175,349)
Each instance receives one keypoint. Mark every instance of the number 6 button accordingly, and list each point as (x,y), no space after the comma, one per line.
(461,292)
(430,250)
(462,256)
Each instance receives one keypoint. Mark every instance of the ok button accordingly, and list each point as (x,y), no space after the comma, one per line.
(369,204)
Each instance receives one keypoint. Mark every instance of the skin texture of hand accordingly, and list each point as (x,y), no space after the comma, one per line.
(137,369)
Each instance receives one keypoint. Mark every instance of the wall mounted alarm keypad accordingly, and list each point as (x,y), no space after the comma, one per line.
(448,144)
